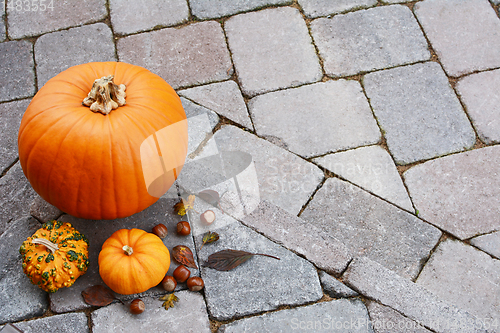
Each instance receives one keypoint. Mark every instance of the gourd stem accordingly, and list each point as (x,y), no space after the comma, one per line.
(48,244)
(128,250)
(105,95)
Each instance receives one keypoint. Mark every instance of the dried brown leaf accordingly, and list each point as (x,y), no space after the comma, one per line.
(98,295)
(169,300)
(226,260)
(209,237)
(184,205)
(184,255)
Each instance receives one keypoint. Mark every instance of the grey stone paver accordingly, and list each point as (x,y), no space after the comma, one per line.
(489,243)
(43,211)
(57,51)
(334,288)
(458,193)
(10,119)
(316,8)
(464,276)
(371,168)
(337,110)
(372,227)
(261,283)
(165,52)
(370,39)
(132,16)
(192,111)
(28,21)
(283,178)
(69,299)
(464,33)
(386,320)
(205,9)
(188,315)
(224,98)
(65,323)
(20,298)
(480,94)
(17,74)
(2,24)
(342,315)
(300,236)
(271,49)
(412,300)
(16,195)
(419,112)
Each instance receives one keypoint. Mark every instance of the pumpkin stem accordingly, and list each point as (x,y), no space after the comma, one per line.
(105,95)
(128,250)
(48,244)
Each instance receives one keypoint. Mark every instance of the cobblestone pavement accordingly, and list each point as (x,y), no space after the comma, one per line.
(371,133)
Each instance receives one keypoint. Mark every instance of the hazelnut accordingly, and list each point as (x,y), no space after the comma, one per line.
(160,230)
(137,306)
(195,283)
(183,228)
(181,273)
(168,283)
(208,217)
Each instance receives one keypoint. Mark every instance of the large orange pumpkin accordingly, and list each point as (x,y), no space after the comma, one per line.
(132,261)
(112,159)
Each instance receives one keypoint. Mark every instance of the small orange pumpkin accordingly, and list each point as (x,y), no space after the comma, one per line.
(99,150)
(132,261)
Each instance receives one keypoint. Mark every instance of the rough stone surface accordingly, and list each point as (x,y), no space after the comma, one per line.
(188,315)
(419,112)
(371,168)
(370,39)
(283,178)
(224,98)
(316,8)
(337,110)
(65,323)
(480,94)
(205,9)
(260,284)
(272,49)
(386,320)
(488,243)
(132,16)
(464,33)
(192,111)
(2,24)
(464,276)
(372,227)
(57,51)
(350,315)
(10,120)
(17,74)
(43,211)
(30,22)
(300,236)
(69,299)
(412,300)
(334,288)
(165,52)
(20,298)
(442,189)
(16,194)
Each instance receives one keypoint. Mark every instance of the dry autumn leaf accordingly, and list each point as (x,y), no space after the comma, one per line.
(98,295)
(226,260)
(184,255)
(184,205)
(209,237)
(169,300)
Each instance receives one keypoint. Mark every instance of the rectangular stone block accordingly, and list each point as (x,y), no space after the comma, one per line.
(489,243)
(17,72)
(317,8)
(64,323)
(10,120)
(206,9)
(165,52)
(415,302)
(368,40)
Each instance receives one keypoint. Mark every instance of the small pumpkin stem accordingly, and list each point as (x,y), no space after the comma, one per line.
(128,250)
(48,244)
(105,95)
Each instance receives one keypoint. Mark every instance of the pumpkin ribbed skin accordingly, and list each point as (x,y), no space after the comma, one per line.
(51,271)
(143,269)
(89,164)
